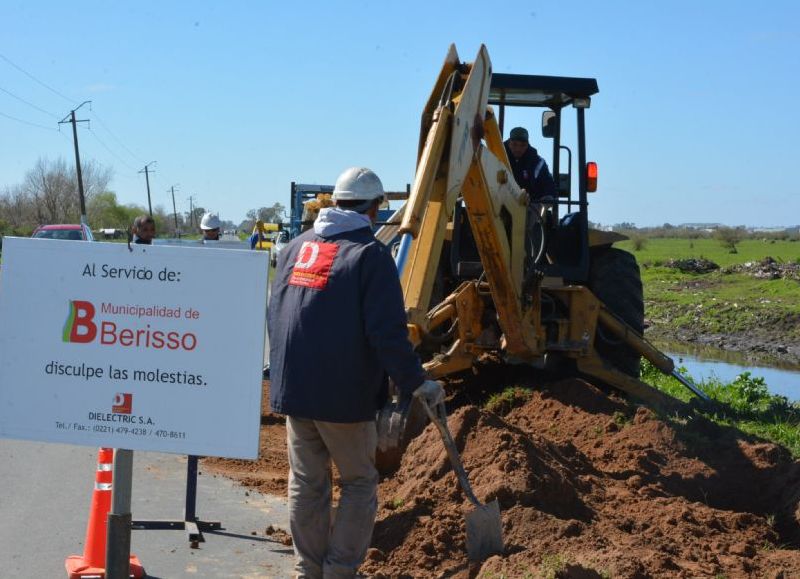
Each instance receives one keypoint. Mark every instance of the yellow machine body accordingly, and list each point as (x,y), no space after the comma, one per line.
(462,158)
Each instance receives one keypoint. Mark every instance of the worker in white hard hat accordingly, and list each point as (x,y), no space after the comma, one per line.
(210,226)
(338,329)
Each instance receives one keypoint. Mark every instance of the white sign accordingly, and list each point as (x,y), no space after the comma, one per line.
(148,348)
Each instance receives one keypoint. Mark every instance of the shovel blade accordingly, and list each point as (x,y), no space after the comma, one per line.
(484,531)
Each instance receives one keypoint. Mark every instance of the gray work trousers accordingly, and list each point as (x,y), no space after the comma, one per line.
(322,549)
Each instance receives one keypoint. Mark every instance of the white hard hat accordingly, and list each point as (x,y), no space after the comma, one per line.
(358,184)
(210,221)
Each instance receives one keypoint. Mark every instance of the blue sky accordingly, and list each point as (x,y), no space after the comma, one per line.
(696,118)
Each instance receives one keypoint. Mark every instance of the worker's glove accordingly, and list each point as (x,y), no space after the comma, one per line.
(431,392)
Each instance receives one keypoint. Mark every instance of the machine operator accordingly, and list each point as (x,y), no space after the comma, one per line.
(530,170)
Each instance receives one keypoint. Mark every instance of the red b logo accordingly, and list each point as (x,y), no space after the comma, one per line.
(79,327)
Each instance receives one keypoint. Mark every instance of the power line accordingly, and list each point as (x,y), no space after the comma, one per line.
(29,75)
(61,133)
(72,102)
(117,139)
(28,122)
(30,104)
(107,148)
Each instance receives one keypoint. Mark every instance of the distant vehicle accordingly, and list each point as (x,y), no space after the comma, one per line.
(280,242)
(110,233)
(77,232)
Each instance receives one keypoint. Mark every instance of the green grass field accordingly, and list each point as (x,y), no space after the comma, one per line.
(660,250)
(719,303)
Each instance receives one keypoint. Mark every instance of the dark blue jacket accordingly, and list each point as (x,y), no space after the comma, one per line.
(532,174)
(337,327)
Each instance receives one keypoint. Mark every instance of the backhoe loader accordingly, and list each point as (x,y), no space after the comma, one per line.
(487,272)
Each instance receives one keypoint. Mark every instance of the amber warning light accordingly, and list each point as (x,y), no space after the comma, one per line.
(591,176)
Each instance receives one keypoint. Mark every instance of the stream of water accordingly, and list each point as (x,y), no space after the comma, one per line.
(703,362)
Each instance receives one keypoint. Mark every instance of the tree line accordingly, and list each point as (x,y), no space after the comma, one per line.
(49,195)
(727,236)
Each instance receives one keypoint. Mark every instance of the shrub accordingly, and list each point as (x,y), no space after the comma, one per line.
(729,237)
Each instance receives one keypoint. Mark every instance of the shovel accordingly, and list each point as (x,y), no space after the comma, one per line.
(484,528)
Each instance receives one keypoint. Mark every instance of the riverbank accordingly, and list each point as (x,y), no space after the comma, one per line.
(748,301)
(745,404)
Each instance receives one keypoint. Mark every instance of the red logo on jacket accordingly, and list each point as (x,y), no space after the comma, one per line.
(313,265)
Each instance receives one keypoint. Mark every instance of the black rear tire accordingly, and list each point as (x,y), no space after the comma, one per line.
(615,279)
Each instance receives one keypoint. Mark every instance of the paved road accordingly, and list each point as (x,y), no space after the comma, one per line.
(46,489)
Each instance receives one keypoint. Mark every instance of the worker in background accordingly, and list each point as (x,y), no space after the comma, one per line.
(210,226)
(144,230)
(338,327)
(530,170)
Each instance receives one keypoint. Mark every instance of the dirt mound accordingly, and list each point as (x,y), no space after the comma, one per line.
(591,486)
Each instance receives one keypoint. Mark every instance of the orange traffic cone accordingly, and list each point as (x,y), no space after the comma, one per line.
(93,561)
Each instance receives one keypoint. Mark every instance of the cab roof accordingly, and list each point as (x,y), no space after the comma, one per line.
(527,90)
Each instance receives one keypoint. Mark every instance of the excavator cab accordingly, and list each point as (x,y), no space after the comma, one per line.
(560,240)
(559,237)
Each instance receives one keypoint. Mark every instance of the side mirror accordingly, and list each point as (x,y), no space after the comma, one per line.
(549,124)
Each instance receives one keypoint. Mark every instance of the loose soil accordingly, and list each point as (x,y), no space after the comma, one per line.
(589,485)
(269,474)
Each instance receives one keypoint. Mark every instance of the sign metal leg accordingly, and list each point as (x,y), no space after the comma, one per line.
(118,542)
(191,524)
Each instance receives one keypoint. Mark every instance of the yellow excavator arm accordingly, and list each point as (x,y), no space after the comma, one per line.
(463,157)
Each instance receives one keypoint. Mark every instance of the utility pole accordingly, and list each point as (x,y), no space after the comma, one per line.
(71,117)
(175,211)
(191,211)
(147,172)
